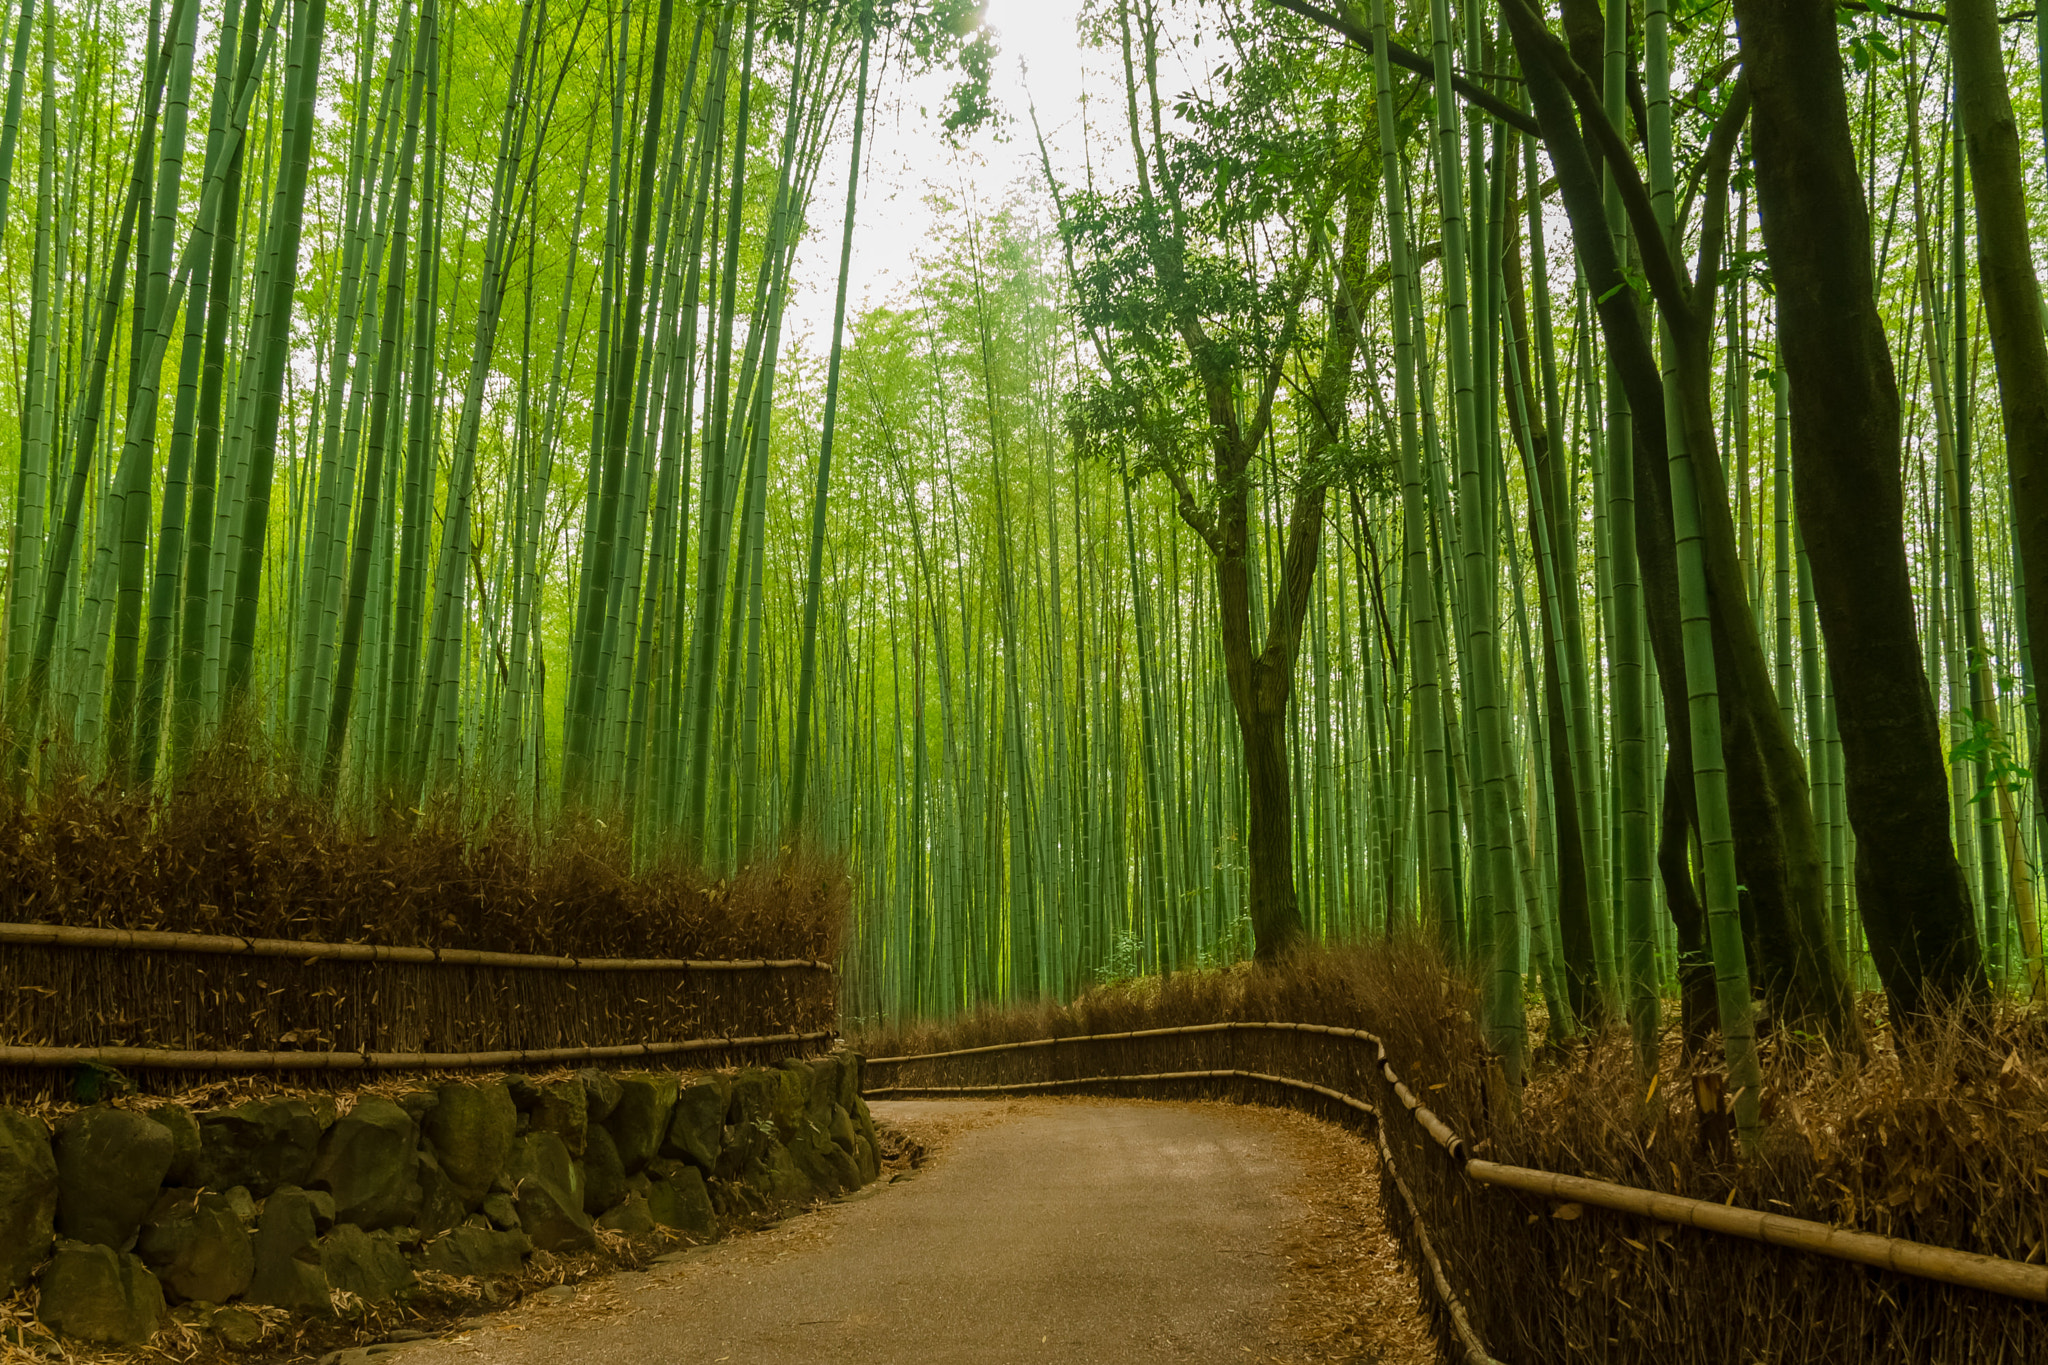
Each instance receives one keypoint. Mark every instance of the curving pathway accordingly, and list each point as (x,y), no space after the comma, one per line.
(1042,1231)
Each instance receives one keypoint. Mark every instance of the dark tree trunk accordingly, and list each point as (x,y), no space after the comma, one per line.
(1846,457)
(1699,1006)
(1269,816)
(1776,851)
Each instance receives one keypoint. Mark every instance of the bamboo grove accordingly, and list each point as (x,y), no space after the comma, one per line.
(1558,480)
(1616,555)
(396,383)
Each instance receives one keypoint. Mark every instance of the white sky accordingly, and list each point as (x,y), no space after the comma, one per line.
(908,158)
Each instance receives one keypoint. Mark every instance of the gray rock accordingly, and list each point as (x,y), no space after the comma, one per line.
(850,1067)
(557,1293)
(94,1293)
(197,1246)
(867,1159)
(110,1164)
(601,1093)
(821,1088)
(237,1328)
(792,1097)
(368,1161)
(287,1248)
(562,1108)
(28,1197)
(631,1218)
(640,1121)
(698,1123)
(481,1252)
(842,1129)
(263,1144)
(549,1194)
(472,1127)
(366,1264)
(604,1175)
(823,1162)
(443,1204)
(786,1182)
(244,1204)
(177,1120)
(682,1202)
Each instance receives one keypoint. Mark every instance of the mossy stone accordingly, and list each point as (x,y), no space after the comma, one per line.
(287,1249)
(369,1162)
(263,1144)
(472,1127)
(91,1292)
(548,1194)
(196,1245)
(697,1127)
(640,1120)
(28,1197)
(110,1165)
(366,1264)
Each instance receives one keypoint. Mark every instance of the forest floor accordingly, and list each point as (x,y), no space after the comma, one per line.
(1032,1230)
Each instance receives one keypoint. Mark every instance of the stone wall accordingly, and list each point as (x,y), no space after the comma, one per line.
(291,1203)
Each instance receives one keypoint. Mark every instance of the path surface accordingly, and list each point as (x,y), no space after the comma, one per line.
(1041,1231)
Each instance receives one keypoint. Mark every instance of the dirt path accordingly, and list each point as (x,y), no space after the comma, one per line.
(1055,1231)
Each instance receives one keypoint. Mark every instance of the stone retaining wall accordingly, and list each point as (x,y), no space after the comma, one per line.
(294,1204)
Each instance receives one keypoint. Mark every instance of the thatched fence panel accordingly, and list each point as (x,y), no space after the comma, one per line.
(189,994)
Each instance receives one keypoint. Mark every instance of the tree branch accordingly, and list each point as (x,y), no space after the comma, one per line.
(1668,284)
(1414,61)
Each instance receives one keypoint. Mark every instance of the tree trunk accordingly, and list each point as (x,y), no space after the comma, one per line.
(1269,817)
(1775,846)
(1846,456)
(1699,1009)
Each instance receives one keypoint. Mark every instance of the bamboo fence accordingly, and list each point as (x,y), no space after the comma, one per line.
(179,1005)
(1513,1266)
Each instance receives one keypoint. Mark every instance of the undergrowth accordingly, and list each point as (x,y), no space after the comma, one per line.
(1943,1140)
(239,847)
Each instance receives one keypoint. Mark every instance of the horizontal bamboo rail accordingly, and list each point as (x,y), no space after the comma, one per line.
(140,1058)
(1437,1129)
(66,936)
(1966,1269)
(2014,1279)
(1022,1087)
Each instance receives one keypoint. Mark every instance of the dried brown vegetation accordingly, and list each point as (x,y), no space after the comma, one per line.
(238,848)
(1944,1141)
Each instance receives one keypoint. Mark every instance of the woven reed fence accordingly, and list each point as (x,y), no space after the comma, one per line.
(1527,1266)
(177,1006)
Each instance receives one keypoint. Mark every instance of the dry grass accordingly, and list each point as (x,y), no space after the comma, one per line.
(240,848)
(1943,1141)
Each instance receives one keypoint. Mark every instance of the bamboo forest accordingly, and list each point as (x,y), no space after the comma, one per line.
(1566,487)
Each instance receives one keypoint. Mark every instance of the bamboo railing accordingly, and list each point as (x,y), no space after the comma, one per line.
(65,936)
(165,1003)
(1991,1274)
(156,1058)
